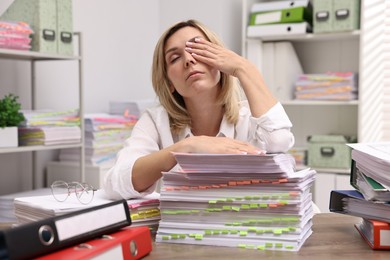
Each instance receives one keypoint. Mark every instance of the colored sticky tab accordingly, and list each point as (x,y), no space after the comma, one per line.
(236,208)
(198,237)
(260,247)
(289,247)
(243,233)
(278,232)
(268,245)
(233,231)
(278,245)
(208,232)
(263,205)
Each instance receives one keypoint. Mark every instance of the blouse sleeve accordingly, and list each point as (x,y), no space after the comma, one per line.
(143,140)
(272,130)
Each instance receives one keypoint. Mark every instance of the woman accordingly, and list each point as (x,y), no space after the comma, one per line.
(195,78)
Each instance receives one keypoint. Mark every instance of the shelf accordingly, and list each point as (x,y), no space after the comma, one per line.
(319,103)
(32,55)
(33,148)
(310,37)
(326,170)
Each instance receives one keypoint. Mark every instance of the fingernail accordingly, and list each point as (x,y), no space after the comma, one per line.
(189,43)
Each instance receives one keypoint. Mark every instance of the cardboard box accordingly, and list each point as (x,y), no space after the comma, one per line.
(329,151)
(51,21)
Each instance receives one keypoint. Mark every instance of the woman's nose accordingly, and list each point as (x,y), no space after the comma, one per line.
(189,59)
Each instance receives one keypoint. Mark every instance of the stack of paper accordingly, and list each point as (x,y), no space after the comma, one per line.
(104,137)
(371,199)
(280,18)
(248,201)
(7,213)
(15,35)
(143,211)
(327,86)
(49,127)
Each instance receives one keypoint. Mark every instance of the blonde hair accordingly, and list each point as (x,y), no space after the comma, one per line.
(174,102)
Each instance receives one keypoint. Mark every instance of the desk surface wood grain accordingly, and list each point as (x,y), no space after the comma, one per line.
(334,237)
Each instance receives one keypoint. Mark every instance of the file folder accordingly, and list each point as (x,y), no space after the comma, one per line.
(375,233)
(277,5)
(352,202)
(128,244)
(278,29)
(31,240)
(289,15)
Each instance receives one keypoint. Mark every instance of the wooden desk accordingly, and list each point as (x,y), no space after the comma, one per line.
(334,237)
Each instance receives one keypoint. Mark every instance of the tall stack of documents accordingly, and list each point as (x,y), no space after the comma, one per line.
(280,18)
(49,127)
(247,201)
(371,199)
(327,86)
(104,137)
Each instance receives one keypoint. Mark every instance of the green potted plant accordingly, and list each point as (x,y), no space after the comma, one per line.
(10,118)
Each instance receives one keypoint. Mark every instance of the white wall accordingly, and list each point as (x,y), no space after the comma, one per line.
(118,43)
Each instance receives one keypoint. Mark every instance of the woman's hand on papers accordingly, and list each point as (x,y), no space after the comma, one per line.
(218,145)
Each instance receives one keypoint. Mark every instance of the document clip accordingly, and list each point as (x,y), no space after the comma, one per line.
(342,14)
(66,37)
(322,16)
(49,35)
(46,235)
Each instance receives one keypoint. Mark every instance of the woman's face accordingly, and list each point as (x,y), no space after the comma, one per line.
(188,76)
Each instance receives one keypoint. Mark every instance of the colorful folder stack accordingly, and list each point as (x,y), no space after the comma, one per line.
(247,201)
(280,18)
(371,200)
(15,35)
(104,137)
(327,86)
(50,127)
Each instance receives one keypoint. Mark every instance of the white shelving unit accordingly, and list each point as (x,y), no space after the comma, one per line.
(33,58)
(364,52)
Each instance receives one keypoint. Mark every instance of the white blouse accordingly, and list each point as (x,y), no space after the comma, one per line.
(270,132)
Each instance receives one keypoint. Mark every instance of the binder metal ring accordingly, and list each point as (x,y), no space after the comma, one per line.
(133,248)
(46,235)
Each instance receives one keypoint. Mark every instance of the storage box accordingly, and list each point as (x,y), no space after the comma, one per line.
(329,151)
(336,15)
(346,15)
(51,21)
(322,16)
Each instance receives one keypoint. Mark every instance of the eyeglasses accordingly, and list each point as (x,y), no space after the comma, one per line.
(61,190)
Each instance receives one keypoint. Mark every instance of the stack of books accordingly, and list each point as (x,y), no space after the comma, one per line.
(49,127)
(327,86)
(15,35)
(371,199)
(247,201)
(280,18)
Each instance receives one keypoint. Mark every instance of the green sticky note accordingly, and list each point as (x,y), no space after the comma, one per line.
(278,245)
(260,247)
(208,232)
(243,233)
(268,245)
(165,237)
